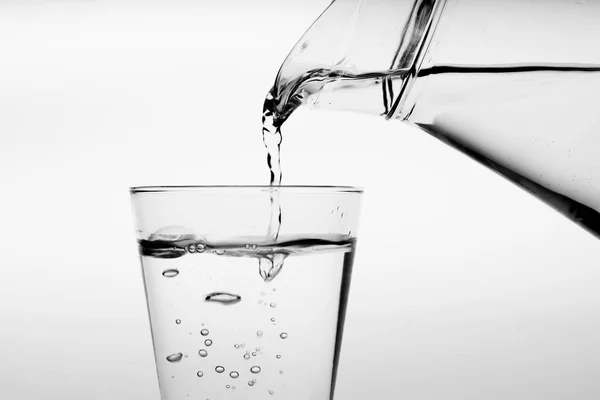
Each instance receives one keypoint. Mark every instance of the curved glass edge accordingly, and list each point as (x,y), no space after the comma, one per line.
(245,188)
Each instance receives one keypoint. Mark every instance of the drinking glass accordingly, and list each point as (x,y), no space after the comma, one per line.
(238,307)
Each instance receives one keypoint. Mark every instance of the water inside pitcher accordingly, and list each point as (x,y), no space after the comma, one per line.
(511,83)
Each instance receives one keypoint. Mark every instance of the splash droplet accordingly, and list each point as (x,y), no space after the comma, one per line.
(204,332)
(283,335)
(255,369)
(234,374)
(170,273)
(223,298)
(208,342)
(199,374)
(219,369)
(202,353)
(175,357)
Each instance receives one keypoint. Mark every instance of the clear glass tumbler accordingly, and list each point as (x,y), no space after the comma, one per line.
(233,312)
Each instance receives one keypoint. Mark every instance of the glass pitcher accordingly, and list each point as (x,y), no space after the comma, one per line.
(514,84)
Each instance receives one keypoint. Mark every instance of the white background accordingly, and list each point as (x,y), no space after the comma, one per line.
(465,287)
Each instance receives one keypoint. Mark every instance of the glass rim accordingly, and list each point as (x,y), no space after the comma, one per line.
(245,188)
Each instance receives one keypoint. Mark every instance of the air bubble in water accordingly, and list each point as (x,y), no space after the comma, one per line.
(259,333)
(219,369)
(283,335)
(255,369)
(247,356)
(273,305)
(252,382)
(271,392)
(227,386)
(237,346)
(219,252)
(175,357)
(254,353)
(177,321)
(170,273)
(199,374)
(223,298)
(272,319)
(200,248)
(202,353)
(280,372)
(192,248)
(208,342)
(234,374)
(269,266)
(278,356)
(204,332)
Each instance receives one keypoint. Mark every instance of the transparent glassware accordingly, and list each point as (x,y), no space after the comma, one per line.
(512,84)
(233,313)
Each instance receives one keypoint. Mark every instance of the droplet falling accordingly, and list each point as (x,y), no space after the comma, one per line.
(224,298)
(204,332)
(199,374)
(170,273)
(219,369)
(255,369)
(202,353)
(208,342)
(175,357)
(283,335)
(234,374)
